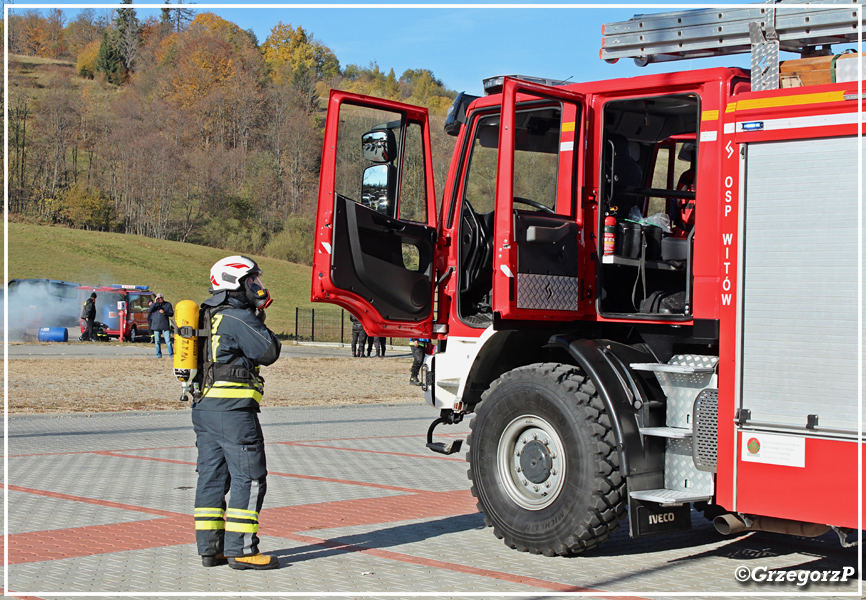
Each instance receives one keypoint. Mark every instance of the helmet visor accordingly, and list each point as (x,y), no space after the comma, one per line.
(257,293)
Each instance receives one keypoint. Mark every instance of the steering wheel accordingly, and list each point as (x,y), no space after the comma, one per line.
(534,204)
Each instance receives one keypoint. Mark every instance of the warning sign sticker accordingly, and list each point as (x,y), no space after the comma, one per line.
(773,449)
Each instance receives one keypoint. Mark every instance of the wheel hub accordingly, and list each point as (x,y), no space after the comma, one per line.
(535,462)
(531,462)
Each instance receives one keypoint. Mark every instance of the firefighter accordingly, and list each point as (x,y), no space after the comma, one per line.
(419,346)
(88,313)
(231,451)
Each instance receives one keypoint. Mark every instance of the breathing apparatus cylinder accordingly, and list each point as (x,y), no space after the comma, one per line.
(186,315)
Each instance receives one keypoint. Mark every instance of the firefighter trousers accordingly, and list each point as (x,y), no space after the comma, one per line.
(231,458)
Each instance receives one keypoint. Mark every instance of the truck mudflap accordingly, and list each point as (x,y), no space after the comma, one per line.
(650,518)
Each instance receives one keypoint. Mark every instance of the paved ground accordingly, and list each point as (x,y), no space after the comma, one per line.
(114,349)
(101,505)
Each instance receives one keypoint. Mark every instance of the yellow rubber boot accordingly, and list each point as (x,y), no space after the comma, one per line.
(254,561)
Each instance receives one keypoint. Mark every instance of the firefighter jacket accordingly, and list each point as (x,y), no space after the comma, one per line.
(237,345)
(89,309)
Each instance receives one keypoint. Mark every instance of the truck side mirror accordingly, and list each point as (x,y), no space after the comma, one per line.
(380,146)
(377,188)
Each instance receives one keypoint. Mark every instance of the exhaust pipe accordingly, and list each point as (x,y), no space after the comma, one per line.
(729,524)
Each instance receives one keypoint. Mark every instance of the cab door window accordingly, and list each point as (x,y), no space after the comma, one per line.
(370,148)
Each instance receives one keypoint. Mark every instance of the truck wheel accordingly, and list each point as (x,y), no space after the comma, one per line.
(133,334)
(543,461)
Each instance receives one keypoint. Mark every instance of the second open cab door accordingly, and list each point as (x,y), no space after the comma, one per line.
(376,218)
(539,212)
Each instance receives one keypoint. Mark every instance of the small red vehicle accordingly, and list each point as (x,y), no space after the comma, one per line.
(121,308)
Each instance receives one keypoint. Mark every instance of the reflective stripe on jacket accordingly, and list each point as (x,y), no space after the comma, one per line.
(239,344)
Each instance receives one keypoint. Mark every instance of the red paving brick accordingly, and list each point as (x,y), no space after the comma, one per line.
(40,546)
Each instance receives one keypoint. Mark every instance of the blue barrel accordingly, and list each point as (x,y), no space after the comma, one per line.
(53,334)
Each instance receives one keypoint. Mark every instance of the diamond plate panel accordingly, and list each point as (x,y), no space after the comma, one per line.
(681,389)
(547,292)
(705,440)
(680,471)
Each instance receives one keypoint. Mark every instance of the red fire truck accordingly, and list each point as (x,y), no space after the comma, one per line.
(643,290)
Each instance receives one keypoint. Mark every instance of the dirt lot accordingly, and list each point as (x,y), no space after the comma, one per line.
(146,383)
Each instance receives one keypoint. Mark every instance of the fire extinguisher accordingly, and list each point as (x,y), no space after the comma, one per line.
(609,235)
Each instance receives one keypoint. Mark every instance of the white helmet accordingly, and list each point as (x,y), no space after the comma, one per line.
(233,272)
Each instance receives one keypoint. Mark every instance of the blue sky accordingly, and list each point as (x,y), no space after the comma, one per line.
(460,45)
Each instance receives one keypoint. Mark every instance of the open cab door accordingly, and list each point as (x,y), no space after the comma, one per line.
(376,219)
(539,211)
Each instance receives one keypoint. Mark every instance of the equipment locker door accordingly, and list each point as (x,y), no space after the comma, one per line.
(536,267)
(376,218)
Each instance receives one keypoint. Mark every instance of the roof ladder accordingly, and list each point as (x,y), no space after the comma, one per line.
(762,30)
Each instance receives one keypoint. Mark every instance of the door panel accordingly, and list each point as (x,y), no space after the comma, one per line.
(536,267)
(376,221)
(547,274)
(371,255)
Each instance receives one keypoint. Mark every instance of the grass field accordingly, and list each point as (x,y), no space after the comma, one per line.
(180,271)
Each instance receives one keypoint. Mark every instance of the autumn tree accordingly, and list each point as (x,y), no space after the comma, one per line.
(30,35)
(299,59)
(82,32)
(216,74)
(85,64)
(54,41)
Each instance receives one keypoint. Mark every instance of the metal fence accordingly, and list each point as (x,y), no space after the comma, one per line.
(329,325)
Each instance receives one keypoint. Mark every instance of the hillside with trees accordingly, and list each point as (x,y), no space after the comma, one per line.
(183,127)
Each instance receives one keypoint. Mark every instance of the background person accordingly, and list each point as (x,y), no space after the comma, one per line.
(359,337)
(229,438)
(158,316)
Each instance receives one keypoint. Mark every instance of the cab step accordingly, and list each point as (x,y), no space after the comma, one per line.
(666,497)
(448,418)
(666,432)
